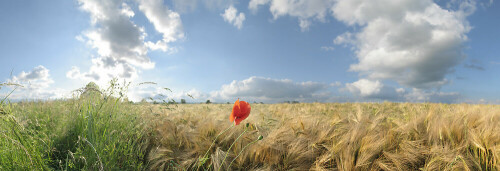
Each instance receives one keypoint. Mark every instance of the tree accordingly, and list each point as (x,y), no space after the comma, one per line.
(172,101)
(143,101)
(208,102)
(183,101)
(91,90)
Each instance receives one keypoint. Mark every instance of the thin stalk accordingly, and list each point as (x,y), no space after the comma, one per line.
(101,168)
(242,151)
(232,147)
(8,95)
(213,142)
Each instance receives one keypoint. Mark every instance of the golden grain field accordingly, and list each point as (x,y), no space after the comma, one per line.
(326,136)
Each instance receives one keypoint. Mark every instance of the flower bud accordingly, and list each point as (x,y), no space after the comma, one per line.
(260,137)
(248,124)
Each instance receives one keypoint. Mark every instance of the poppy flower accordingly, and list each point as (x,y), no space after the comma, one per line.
(241,110)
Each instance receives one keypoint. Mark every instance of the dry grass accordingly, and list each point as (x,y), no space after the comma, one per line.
(351,136)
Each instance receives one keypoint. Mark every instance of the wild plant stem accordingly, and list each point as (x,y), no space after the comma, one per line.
(206,153)
(242,152)
(231,147)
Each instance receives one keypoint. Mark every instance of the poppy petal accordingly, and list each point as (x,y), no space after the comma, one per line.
(231,117)
(237,121)
(240,112)
(236,110)
(244,110)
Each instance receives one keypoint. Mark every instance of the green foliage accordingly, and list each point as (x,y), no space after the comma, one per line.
(91,90)
(94,132)
(101,130)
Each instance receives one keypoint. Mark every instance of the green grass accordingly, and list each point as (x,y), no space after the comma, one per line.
(93,132)
(98,131)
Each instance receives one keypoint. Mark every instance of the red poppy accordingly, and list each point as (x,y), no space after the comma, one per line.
(241,110)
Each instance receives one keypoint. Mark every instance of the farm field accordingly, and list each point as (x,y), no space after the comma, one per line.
(95,133)
(257,85)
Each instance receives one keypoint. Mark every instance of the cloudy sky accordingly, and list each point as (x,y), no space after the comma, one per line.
(257,50)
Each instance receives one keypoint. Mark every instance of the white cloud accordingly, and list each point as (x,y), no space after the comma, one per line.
(254,4)
(35,85)
(114,35)
(252,89)
(304,10)
(137,93)
(415,43)
(345,38)
(158,93)
(419,95)
(74,73)
(79,38)
(231,16)
(37,78)
(374,89)
(164,20)
(272,90)
(120,43)
(185,5)
(103,70)
(336,84)
(304,24)
(369,90)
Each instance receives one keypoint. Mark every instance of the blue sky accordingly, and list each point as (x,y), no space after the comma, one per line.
(257,50)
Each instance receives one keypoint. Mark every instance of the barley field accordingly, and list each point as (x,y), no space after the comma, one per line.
(102,131)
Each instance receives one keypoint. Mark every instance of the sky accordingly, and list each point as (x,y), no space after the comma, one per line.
(271,51)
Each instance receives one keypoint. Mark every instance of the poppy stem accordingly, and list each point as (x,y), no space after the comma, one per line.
(231,147)
(204,156)
(243,149)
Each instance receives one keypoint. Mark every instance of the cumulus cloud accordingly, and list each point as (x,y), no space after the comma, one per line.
(258,89)
(164,20)
(304,10)
(272,90)
(115,35)
(374,89)
(254,4)
(119,42)
(231,16)
(158,93)
(104,69)
(185,5)
(35,85)
(419,95)
(345,38)
(415,43)
(37,78)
